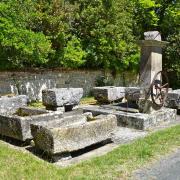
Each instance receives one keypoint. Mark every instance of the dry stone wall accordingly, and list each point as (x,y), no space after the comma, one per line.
(32,83)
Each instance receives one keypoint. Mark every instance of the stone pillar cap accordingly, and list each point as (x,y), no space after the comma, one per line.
(152,43)
(152,35)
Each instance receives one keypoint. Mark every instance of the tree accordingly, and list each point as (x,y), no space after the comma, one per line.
(20,45)
(105,30)
(161,15)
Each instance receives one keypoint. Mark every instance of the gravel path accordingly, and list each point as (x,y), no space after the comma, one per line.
(167,168)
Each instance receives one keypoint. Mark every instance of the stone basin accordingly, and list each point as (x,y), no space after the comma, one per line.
(60,139)
(17,124)
(134,120)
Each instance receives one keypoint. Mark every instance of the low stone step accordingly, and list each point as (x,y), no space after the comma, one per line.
(74,137)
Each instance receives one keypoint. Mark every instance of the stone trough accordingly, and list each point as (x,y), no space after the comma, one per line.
(57,138)
(17,124)
(135,120)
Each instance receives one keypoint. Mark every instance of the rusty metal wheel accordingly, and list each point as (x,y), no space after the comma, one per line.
(159,88)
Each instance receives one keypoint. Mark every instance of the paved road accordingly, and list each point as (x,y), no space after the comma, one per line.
(166,169)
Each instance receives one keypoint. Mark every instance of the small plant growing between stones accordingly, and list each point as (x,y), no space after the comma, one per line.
(21,113)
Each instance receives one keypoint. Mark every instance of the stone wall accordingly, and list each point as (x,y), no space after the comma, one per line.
(32,83)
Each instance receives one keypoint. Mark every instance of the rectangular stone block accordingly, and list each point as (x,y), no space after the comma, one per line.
(108,93)
(61,96)
(135,120)
(152,35)
(173,99)
(73,137)
(132,93)
(11,104)
(17,125)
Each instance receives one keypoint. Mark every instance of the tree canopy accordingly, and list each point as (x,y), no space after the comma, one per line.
(83,33)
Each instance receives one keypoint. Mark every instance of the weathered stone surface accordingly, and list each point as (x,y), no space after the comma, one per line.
(173,99)
(62,97)
(132,93)
(151,59)
(73,137)
(136,120)
(64,121)
(11,104)
(126,107)
(152,35)
(147,106)
(18,127)
(108,93)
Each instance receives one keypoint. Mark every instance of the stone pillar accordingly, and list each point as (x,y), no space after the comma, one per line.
(151,61)
(151,58)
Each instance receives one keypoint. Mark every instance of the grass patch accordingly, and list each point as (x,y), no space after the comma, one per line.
(36,104)
(115,165)
(85,100)
(88,100)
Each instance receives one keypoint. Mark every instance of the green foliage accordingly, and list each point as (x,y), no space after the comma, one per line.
(19,45)
(74,33)
(172,62)
(84,33)
(73,54)
(164,16)
(105,30)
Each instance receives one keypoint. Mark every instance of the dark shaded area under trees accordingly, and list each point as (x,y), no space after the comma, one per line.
(86,34)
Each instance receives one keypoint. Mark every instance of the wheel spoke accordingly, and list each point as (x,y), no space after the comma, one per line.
(159,91)
(165,85)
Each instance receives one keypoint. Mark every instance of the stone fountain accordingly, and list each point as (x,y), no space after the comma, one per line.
(63,128)
(144,106)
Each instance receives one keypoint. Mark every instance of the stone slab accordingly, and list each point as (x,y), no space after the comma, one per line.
(65,121)
(132,93)
(136,120)
(18,127)
(59,97)
(126,107)
(173,99)
(108,93)
(11,104)
(75,137)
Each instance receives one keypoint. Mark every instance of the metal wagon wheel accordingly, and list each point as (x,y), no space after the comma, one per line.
(159,88)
